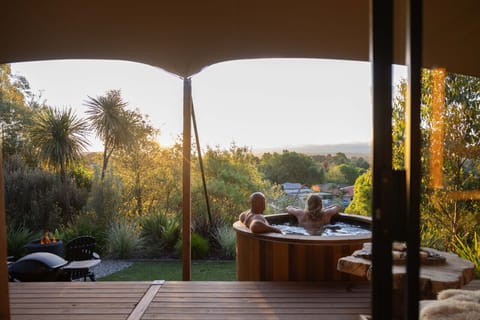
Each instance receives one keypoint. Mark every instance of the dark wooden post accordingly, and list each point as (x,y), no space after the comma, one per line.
(412,152)
(187,192)
(381,55)
(4,300)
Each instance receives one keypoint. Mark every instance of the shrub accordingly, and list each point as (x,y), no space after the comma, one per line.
(199,246)
(123,239)
(171,233)
(469,251)
(84,224)
(430,236)
(159,232)
(225,237)
(105,198)
(37,199)
(17,238)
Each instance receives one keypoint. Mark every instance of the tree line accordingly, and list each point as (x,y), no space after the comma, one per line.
(52,183)
(450,162)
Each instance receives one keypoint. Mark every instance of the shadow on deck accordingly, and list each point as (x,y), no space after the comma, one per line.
(188,300)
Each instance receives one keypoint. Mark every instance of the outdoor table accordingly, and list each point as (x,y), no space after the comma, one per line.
(83,267)
(450,272)
(83,264)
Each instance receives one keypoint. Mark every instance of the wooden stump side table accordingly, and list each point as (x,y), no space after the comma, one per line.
(452,272)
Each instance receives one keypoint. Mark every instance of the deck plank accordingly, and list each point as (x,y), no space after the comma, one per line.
(75,300)
(188,300)
(258,300)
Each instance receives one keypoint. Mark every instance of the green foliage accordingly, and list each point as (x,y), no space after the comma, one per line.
(123,239)
(226,238)
(344,174)
(17,238)
(16,109)
(159,233)
(199,247)
(37,199)
(469,250)
(360,163)
(105,198)
(430,236)
(137,164)
(328,162)
(398,126)
(60,137)
(457,128)
(85,224)
(108,116)
(361,203)
(291,167)
(81,176)
(231,177)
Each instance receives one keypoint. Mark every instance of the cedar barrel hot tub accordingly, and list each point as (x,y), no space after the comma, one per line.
(278,257)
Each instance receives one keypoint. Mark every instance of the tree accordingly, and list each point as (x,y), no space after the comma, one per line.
(457,125)
(12,87)
(447,207)
(60,137)
(137,161)
(109,118)
(361,202)
(291,167)
(15,114)
(231,176)
(345,173)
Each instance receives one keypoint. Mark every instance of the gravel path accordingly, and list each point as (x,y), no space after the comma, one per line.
(107,267)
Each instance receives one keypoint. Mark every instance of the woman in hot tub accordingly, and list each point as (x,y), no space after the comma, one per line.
(314,217)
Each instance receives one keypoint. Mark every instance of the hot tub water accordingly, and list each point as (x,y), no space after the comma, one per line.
(338,228)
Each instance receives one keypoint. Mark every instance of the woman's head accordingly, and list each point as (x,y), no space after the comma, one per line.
(314,205)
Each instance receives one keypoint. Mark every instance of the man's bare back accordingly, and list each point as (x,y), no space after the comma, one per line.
(254,219)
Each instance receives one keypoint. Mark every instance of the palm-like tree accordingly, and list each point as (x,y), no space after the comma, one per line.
(60,137)
(109,118)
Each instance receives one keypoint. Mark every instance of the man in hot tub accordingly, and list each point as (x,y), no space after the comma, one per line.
(314,217)
(254,218)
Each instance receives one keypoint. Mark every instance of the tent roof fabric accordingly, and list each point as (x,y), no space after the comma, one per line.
(184,36)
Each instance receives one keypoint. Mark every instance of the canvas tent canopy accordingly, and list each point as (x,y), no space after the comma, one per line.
(184,36)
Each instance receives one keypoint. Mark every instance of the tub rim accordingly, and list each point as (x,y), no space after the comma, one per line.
(239,227)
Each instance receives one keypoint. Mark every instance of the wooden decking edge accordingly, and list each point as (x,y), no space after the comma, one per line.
(147,298)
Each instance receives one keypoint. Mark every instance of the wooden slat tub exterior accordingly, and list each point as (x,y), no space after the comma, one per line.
(278,257)
(187,300)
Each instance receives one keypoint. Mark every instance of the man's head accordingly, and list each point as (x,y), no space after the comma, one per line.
(257,200)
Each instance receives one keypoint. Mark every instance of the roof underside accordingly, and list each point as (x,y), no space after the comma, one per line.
(185,36)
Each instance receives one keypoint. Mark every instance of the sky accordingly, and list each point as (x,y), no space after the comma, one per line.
(261,103)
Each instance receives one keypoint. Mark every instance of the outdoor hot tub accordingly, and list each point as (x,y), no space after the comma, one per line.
(292,257)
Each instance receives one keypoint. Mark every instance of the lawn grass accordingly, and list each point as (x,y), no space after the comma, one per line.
(172,270)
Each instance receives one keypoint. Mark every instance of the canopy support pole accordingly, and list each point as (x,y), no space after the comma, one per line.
(202,170)
(186,186)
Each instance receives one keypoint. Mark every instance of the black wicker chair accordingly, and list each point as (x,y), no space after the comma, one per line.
(81,255)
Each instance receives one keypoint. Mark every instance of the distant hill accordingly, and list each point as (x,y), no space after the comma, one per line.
(354,149)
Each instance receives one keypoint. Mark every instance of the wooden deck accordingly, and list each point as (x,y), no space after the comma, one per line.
(187,300)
